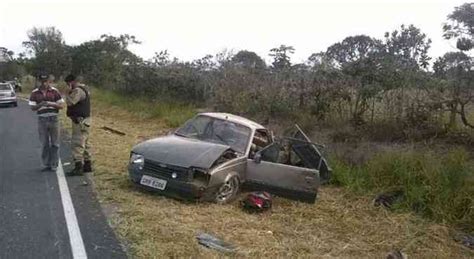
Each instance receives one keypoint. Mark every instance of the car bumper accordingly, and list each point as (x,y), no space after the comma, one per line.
(8,100)
(174,188)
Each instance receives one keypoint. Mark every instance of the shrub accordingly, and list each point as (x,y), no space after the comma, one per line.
(172,112)
(437,186)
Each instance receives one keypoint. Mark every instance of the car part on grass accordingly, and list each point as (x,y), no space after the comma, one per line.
(388,199)
(396,254)
(113,130)
(257,202)
(213,242)
(465,239)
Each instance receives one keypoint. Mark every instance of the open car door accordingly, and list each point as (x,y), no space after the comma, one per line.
(267,171)
(310,154)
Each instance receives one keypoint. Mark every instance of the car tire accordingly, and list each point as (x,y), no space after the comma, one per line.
(15,104)
(228,191)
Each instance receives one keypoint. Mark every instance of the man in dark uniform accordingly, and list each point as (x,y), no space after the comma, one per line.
(79,111)
(47,102)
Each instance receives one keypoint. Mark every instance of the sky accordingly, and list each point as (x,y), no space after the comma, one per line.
(192,29)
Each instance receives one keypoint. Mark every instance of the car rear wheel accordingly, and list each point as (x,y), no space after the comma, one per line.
(228,191)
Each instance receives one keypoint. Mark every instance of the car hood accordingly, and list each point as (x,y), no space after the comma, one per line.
(181,151)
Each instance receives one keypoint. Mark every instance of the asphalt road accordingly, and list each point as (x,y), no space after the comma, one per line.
(32,218)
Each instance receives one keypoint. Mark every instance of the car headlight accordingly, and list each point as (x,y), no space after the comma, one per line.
(201,175)
(13,94)
(136,159)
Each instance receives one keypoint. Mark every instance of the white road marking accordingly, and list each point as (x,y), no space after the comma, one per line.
(75,238)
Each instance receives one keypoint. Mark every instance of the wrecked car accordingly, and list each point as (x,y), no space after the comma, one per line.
(213,155)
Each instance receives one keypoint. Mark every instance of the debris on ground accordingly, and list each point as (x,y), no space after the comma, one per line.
(213,242)
(388,199)
(397,254)
(465,239)
(256,202)
(118,132)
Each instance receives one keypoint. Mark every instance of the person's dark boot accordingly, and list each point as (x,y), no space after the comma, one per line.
(78,169)
(87,166)
(46,169)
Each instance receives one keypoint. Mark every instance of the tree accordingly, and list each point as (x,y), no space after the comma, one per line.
(456,69)
(161,58)
(5,55)
(205,63)
(102,61)
(409,46)
(49,49)
(281,57)
(353,49)
(461,27)
(9,66)
(320,60)
(357,58)
(248,60)
(403,66)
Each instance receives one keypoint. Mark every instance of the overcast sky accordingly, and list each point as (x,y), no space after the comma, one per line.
(192,29)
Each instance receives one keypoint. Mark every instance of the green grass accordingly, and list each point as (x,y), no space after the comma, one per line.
(172,113)
(440,187)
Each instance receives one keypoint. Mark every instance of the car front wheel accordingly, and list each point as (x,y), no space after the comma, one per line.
(228,191)
(15,104)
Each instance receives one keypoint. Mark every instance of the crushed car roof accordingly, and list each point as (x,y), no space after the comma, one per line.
(234,118)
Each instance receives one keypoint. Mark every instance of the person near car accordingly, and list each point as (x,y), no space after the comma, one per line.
(47,101)
(17,84)
(79,111)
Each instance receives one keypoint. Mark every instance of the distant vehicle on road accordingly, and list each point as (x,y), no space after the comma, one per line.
(212,155)
(16,85)
(7,94)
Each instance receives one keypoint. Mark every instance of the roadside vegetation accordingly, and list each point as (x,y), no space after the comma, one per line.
(342,223)
(173,114)
(390,121)
(437,186)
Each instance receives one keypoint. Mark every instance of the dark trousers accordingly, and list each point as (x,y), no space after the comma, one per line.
(48,128)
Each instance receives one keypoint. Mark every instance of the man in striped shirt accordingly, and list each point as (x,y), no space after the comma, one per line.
(47,102)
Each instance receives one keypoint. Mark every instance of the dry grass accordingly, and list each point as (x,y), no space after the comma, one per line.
(338,225)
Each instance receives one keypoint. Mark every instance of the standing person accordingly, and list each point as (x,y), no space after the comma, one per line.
(79,111)
(47,102)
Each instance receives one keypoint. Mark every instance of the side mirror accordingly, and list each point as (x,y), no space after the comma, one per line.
(257,158)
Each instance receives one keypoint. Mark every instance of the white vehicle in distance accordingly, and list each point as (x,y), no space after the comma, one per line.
(8,95)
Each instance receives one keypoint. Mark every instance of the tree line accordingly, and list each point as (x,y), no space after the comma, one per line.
(361,79)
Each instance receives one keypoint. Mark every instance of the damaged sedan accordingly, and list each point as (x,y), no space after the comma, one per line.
(212,156)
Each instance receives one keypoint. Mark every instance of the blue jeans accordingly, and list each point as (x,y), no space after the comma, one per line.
(48,128)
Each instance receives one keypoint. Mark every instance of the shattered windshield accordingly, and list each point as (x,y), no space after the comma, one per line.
(214,130)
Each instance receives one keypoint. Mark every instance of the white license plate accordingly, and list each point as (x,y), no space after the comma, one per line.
(156,183)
